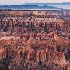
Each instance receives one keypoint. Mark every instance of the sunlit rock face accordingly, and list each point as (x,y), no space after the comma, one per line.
(1,53)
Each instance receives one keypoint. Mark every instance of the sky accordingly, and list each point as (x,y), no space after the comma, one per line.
(18,2)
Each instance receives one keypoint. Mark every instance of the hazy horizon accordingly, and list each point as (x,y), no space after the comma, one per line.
(20,2)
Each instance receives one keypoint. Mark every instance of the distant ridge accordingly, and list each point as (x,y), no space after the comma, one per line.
(46,3)
(28,7)
(38,6)
(63,5)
